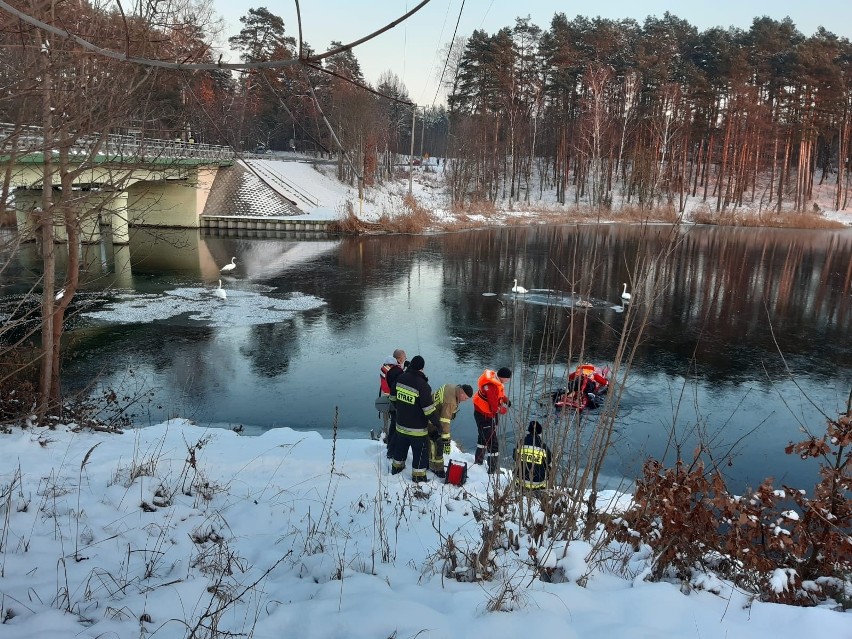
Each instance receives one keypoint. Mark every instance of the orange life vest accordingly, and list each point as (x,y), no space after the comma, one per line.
(480,399)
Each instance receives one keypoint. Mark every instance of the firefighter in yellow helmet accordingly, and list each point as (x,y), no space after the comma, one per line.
(447,400)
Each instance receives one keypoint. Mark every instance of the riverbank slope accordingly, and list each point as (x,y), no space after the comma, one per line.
(176,530)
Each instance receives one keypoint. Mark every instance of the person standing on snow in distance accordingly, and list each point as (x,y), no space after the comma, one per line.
(448,398)
(388,374)
(532,460)
(415,408)
(489,403)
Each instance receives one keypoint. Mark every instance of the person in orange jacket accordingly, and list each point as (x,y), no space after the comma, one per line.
(489,403)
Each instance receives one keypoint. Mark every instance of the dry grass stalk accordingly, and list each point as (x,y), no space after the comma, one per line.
(774,219)
(414,218)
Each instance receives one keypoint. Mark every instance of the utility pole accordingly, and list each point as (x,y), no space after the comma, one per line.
(422,132)
(411,151)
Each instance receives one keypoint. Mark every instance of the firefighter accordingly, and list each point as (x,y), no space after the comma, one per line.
(447,401)
(390,370)
(415,409)
(489,403)
(532,460)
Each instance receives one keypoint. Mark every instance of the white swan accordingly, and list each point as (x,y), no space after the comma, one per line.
(518,289)
(625,296)
(220,292)
(60,294)
(229,267)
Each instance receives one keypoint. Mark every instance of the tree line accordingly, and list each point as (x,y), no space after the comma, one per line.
(599,111)
(610,110)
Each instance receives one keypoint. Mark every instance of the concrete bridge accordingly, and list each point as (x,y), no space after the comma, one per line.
(121,180)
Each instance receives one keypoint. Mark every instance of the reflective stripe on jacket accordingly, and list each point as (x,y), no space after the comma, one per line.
(532,461)
(414,405)
(447,405)
(391,377)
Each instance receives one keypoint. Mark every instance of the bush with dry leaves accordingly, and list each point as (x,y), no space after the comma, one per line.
(781,544)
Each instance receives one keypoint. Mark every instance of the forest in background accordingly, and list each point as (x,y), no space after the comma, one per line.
(599,111)
(653,113)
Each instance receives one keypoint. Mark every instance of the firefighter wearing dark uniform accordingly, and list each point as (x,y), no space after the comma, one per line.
(489,402)
(415,409)
(447,400)
(532,460)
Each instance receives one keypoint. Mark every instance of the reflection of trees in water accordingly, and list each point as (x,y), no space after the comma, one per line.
(271,347)
(374,264)
(720,290)
(185,359)
(566,260)
(725,289)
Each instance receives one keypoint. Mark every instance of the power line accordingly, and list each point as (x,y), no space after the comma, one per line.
(440,39)
(363,87)
(486,13)
(201,66)
(449,51)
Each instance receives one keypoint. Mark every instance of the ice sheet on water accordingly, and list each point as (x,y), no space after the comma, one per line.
(242,307)
(551,297)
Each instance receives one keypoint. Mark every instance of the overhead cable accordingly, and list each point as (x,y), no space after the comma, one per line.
(449,51)
(197,66)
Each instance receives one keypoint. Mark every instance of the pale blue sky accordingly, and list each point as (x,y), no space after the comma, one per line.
(409,50)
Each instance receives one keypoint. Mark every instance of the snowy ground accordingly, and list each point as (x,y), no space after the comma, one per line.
(177,531)
(328,199)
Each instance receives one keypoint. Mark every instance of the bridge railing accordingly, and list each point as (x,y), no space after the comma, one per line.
(127,147)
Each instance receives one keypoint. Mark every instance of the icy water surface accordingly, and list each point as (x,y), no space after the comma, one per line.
(746,342)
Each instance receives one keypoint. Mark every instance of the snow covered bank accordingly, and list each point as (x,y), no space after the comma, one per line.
(178,530)
(312,185)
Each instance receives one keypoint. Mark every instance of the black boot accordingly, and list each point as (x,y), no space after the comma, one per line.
(493,464)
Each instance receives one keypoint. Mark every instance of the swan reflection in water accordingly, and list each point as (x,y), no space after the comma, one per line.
(220,292)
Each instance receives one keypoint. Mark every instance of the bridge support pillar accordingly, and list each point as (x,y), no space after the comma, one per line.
(118,214)
(123,271)
(90,228)
(27,211)
(26,202)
